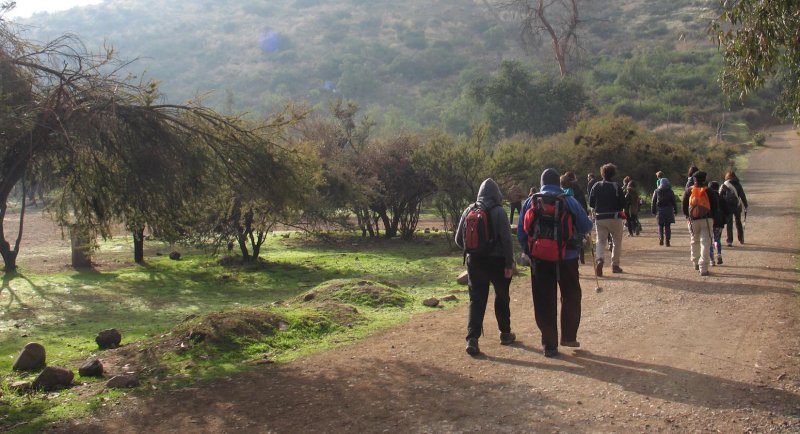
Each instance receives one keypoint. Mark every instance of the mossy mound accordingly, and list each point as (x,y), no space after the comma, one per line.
(233,326)
(358,292)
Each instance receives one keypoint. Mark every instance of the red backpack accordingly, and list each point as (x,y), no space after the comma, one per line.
(478,233)
(549,226)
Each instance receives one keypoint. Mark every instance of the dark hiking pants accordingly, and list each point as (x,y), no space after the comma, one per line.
(483,270)
(665,232)
(545,300)
(737,216)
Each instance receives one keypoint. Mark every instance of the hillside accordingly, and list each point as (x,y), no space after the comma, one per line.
(407,63)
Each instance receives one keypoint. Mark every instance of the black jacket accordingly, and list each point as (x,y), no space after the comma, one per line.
(739,190)
(489,194)
(606,198)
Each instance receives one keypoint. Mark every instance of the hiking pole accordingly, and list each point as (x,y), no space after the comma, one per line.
(597,288)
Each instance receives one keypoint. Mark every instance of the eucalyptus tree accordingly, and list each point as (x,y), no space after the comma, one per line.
(760,40)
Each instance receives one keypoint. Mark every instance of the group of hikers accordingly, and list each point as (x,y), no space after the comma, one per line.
(553,228)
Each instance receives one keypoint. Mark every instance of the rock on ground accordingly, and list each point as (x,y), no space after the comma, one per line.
(110,338)
(53,378)
(31,358)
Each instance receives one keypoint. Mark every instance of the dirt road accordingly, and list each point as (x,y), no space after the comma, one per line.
(663,350)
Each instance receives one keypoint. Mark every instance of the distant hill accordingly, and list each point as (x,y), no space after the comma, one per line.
(405,62)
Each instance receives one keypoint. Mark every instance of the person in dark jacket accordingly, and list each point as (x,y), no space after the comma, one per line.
(591,179)
(690,181)
(569,181)
(496,268)
(547,276)
(700,226)
(719,223)
(664,207)
(732,182)
(632,208)
(608,202)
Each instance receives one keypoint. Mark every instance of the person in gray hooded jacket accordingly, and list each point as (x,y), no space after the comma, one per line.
(495,267)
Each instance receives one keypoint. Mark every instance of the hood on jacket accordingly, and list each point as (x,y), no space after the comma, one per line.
(489,193)
(665,184)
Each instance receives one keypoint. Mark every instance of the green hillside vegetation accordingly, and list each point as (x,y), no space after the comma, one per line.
(409,65)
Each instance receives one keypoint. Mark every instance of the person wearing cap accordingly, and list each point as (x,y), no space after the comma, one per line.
(700,226)
(547,277)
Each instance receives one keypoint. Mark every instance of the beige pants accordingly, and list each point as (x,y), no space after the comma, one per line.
(605,227)
(701,242)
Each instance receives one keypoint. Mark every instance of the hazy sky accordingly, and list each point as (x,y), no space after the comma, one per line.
(26,8)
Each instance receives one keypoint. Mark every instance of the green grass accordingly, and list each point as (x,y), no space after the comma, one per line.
(364,285)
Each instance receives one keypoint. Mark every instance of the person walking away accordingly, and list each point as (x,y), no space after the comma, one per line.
(591,179)
(719,223)
(664,207)
(632,205)
(659,176)
(690,181)
(733,183)
(551,227)
(515,196)
(483,233)
(699,207)
(570,180)
(608,202)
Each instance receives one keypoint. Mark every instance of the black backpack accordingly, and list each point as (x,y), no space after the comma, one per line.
(730,197)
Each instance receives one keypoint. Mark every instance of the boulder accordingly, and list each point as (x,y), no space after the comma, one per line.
(91,368)
(108,339)
(450,297)
(431,302)
(175,255)
(123,381)
(463,278)
(31,358)
(53,378)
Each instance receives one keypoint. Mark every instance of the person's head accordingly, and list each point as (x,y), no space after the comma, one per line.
(699,178)
(626,180)
(659,174)
(714,185)
(532,191)
(564,180)
(608,171)
(730,174)
(551,177)
(590,176)
(692,171)
(571,176)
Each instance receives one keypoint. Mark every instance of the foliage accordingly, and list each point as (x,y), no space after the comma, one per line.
(516,101)
(759,40)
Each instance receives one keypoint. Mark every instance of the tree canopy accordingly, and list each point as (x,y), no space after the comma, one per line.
(761,40)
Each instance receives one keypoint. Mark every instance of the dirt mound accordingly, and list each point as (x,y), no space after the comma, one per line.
(357,292)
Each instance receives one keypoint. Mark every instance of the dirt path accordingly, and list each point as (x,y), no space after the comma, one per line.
(664,350)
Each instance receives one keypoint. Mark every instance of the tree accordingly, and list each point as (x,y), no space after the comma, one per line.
(111,151)
(556,19)
(518,102)
(759,40)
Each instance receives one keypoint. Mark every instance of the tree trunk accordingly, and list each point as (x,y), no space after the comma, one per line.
(81,246)
(138,245)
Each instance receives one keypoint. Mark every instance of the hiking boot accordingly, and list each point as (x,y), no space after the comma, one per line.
(598,268)
(719,259)
(667,242)
(713,261)
(550,352)
(472,347)
(696,266)
(730,244)
(660,241)
(704,273)
(571,344)
(507,338)
(616,269)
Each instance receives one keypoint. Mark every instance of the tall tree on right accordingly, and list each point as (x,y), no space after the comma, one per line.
(761,40)
(555,19)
